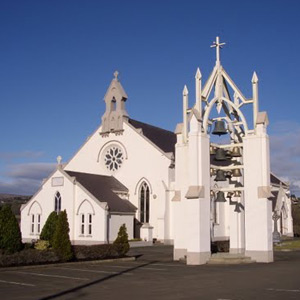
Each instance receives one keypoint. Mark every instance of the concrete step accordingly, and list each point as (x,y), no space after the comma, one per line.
(229,259)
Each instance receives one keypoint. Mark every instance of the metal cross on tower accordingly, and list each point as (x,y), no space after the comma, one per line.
(217,45)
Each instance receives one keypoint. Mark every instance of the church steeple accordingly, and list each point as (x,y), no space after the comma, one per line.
(115,97)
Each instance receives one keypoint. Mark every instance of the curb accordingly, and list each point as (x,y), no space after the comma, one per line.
(100,261)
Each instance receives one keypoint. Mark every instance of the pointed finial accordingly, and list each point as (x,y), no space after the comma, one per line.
(217,45)
(185,91)
(254,78)
(59,158)
(116,74)
(198,74)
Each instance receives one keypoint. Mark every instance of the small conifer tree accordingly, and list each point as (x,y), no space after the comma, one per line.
(49,228)
(61,239)
(121,243)
(10,235)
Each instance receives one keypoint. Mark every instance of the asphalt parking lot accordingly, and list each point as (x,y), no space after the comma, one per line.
(155,276)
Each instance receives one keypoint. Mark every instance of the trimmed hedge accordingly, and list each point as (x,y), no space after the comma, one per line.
(28,257)
(93,252)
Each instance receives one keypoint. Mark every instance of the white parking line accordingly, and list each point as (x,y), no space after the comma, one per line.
(283,290)
(92,271)
(144,268)
(18,283)
(48,275)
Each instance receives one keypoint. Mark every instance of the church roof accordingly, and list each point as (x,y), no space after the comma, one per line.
(104,188)
(164,139)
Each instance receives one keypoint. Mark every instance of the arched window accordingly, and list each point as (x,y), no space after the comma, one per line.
(144,196)
(57,202)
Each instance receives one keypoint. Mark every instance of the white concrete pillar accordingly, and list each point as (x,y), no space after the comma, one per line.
(197,231)
(258,209)
(178,201)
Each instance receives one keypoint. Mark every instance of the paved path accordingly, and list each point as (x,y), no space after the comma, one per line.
(155,276)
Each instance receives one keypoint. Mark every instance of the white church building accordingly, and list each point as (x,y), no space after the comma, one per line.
(186,188)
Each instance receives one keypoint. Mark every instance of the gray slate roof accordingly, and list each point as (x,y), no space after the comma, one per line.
(164,139)
(103,188)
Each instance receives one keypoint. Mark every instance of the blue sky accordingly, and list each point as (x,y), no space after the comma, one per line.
(57,59)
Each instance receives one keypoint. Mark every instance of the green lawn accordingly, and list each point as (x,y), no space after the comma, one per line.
(289,245)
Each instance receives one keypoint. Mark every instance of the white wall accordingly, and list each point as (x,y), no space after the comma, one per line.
(116,221)
(75,201)
(142,160)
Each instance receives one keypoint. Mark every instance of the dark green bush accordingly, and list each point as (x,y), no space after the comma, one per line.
(10,235)
(61,239)
(296,219)
(28,257)
(49,228)
(103,251)
(121,243)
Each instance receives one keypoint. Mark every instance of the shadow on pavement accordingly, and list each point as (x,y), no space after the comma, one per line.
(83,286)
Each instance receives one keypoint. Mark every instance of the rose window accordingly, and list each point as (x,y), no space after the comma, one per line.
(113,158)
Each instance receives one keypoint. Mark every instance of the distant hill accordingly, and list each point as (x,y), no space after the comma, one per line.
(12,197)
(15,201)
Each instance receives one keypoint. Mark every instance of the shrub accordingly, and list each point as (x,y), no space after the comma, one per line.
(296,219)
(41,245)
(28,257)
(49,228)
(61,240)
(102,251)
(121,243)
(10,235)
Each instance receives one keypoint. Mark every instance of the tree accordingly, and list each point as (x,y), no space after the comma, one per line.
(121,243)
(10,234)
(49,228)
(61,240)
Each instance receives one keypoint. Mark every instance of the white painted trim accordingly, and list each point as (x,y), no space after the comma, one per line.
(137,187)
(79,206)
(35,201)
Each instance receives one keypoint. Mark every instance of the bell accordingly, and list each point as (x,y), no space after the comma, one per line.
(228,174)
(237,194)
(236,152)
(220,176)
(236,173)
(237,208)
(220,154)
(212,193)
(212,172)
(220,197)
(229,194)
(219,128)
(212,150)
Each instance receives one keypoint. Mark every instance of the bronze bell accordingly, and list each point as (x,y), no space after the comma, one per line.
(220,197)
(221,154)
(212,150)
(237,208)
(212,172)
(229,194)
(220,176)
(236,152)
(237,194)
(219,128)
(236,173)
